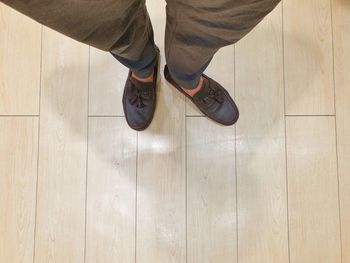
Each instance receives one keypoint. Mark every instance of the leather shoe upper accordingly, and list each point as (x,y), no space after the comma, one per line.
(212,100)
(215,102)
(139,101)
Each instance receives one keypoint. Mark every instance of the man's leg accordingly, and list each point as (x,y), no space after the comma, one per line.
(196,29)
(122,27)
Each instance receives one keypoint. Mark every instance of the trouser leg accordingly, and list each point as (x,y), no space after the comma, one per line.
(197,29)
(122,27)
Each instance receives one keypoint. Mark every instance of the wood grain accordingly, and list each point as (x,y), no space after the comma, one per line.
(106,84)
(20,58)
(312,190)
(211,192)
(137,206)
(18,175)
(60,226)
(341,26)
(308,57)
(111,191)
(261,176)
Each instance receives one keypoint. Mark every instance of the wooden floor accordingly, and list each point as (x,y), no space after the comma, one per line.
(78,185)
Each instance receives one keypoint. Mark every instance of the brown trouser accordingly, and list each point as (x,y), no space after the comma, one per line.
(195,29)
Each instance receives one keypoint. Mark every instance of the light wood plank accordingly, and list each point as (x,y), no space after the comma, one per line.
(161,211)
(221,69)
(261,176)
(110,230)
(20,58)
(18,174)
(308,57)
(341,19)
(161,201)
(211,192)
(62,152)
(107,80)
(312,190)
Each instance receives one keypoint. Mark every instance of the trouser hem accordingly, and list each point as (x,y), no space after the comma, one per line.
(189,81)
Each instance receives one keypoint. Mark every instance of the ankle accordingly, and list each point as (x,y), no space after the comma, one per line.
(193,91)
(146,79)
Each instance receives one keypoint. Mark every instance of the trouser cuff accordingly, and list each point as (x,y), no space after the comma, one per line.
(189,81)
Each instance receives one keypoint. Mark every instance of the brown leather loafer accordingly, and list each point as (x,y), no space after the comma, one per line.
(139,100)
(212,100)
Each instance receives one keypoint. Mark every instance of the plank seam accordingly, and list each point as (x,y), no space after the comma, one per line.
(38,155)
(136,193)
(285,131)
(87,153)
(236,184)
(336,133)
